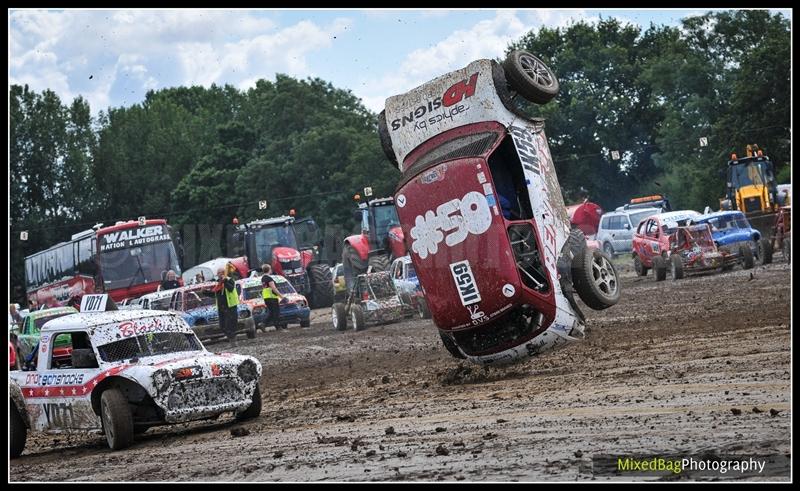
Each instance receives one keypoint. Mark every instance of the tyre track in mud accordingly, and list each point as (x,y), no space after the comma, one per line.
(659,372)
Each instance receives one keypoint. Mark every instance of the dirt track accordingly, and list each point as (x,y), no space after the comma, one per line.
(659,372)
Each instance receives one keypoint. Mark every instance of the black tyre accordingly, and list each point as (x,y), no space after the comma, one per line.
(117,419)
(676,267)
(608,249)
(386,139)
(787,250)
(18,432)
(339,316)
(639,267)
(748,261)
(352,265)
(305,323)
(530,77)
(322,290)
(659,268)
(451,347)
(422,308)
(254,410)
(595,279)
(357,316)
(380,262)
(764,251)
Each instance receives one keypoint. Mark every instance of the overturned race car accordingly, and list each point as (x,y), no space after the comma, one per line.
(128,370)
(481,208)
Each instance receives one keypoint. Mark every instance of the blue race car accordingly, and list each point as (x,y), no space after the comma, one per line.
(199,309)
(730,229)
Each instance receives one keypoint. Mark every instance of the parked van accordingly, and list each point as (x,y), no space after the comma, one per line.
(615,232)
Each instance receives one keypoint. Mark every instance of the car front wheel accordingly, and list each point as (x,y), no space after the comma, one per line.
(117,419)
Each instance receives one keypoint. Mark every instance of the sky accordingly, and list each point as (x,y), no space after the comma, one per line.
(113,57)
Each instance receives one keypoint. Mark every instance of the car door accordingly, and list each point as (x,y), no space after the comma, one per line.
(28,337)
(63,392)
(624,233)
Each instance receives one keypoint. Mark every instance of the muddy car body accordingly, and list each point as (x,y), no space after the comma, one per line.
(198,306)
(129,370)
(651,241)
(372,299)
(293,310)
(482,212)
(693,250)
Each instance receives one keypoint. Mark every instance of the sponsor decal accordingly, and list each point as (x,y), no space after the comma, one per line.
(509,290)
(458,218)
(450,100)
(481,177)
(434,175)
(133,237)
(135,328)
(401,200)
(467,289)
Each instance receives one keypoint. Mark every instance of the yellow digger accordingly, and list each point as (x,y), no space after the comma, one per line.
(752,189)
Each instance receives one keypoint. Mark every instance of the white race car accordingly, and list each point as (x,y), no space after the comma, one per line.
(128,370)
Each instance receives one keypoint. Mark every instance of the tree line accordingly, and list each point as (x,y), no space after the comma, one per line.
(205,155)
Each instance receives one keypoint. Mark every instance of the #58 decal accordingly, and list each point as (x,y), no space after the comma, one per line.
(457,218)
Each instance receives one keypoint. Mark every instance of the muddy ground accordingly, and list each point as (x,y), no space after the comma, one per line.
(664,371)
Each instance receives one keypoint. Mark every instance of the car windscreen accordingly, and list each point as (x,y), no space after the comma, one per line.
(285,287)
(254,292)
(639,216)
(149,344)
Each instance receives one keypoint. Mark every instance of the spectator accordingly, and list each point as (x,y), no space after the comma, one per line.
(227,302)
(14,314)
(271,296)
(170,283)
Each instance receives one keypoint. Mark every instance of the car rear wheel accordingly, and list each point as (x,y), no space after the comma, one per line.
(748,261)
(19,433)
(251,330)
(595,279)
(422,308)
(659,268)
(339,316)
(305,323)
(764,251)
(451,347)
(608,249)
(254,410)
(357,316)
(639,267)
(530,77)
(117,419)
(676,267)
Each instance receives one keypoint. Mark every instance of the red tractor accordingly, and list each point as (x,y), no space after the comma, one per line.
(275,241)
(380,241)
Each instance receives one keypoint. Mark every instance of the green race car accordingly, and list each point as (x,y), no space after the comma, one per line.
(28,332)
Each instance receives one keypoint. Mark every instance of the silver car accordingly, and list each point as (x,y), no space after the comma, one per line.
(615,232)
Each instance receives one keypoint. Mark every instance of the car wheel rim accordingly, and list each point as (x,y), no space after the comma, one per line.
(604,277)
(608,249)
(536,71)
